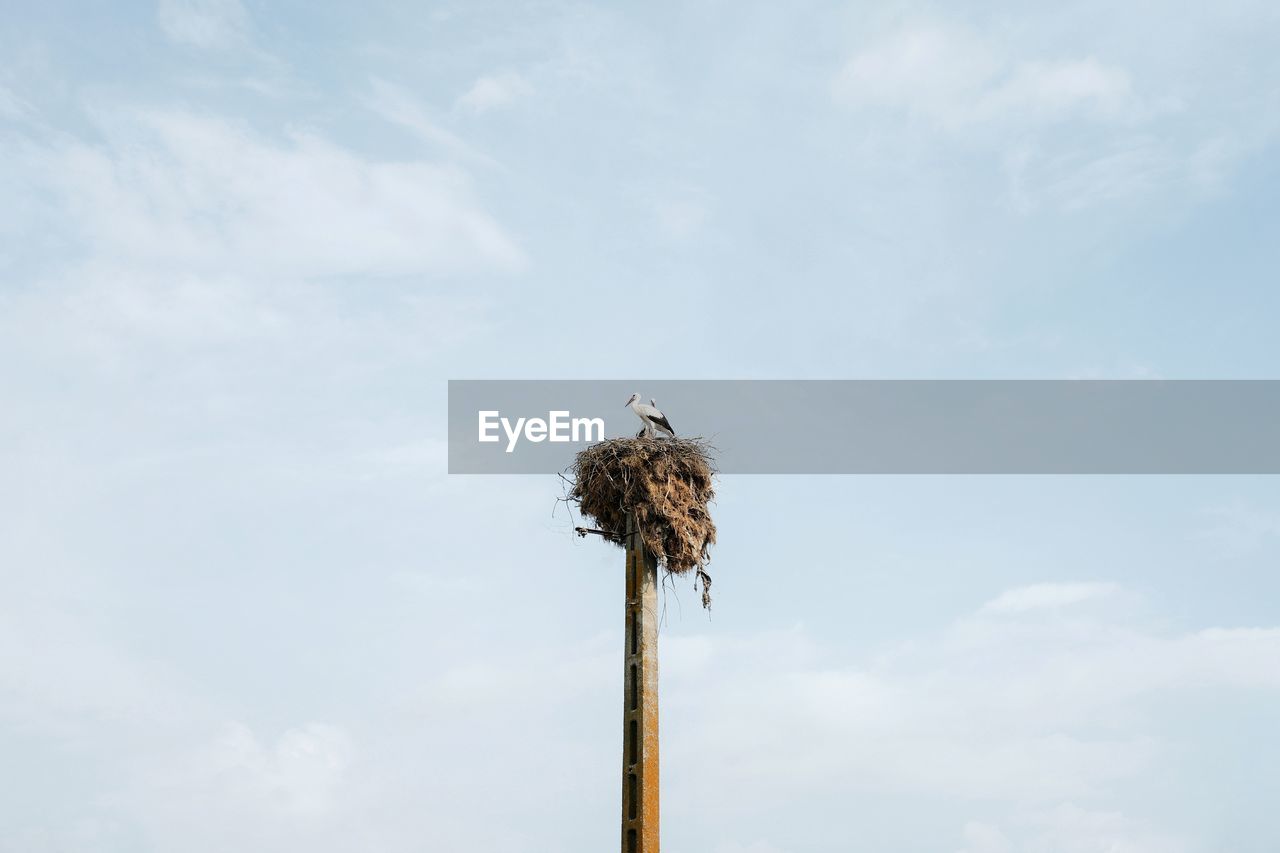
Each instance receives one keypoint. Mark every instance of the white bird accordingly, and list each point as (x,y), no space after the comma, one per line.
(650,417)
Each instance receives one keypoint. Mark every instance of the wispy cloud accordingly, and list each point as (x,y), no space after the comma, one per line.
(1072,130)
(1039,710)
(12,107)
(180,190)
(1048,595)
(299,773)
(398,106)
(1238,529)
(204,23)
(494,91)
(1069,828)
(956,78)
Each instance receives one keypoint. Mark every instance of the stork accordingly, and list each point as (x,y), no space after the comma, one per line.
(650,417)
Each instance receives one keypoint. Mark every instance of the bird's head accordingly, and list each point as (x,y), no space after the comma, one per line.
(634,397)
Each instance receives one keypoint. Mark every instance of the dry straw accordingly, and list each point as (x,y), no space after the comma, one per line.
(666,484)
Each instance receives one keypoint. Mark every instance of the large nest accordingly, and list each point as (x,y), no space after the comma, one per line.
(666,484)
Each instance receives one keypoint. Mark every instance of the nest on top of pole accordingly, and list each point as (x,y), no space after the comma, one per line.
(666,484)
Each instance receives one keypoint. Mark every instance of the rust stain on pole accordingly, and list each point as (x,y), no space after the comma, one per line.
(640,701)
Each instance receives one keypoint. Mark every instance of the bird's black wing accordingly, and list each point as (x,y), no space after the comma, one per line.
(662,421)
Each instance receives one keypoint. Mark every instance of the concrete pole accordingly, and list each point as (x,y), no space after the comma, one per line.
(640,700)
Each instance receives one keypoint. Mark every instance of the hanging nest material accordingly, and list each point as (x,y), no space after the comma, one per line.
(666,484)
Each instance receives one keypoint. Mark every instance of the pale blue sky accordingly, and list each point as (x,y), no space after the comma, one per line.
(242,607)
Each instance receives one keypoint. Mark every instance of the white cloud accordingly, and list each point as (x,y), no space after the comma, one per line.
(1072,130)
(399,106)
(238,790)
(204,23)
(1027,706)
(300,773)
(984,838)
(1057,89)
(956,78)
(1047,595)
(11,106)
(1068,828)
(58,677)
(929,69)
(1238,529)
(494,91)
(1128,166)
(192,193)
(190,231)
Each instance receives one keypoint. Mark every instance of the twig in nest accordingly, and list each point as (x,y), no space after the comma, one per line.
(612,537)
